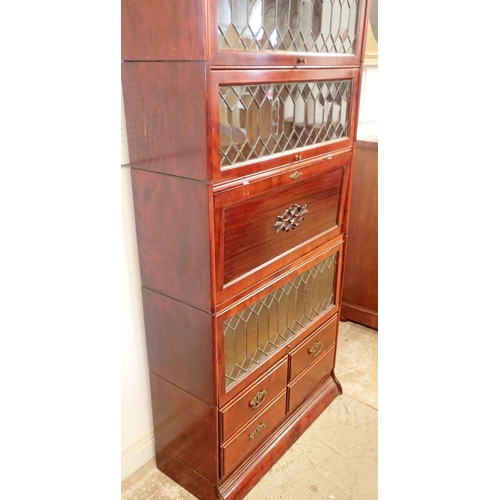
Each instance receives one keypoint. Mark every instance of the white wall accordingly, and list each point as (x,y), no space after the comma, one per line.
(137,422)
(368,111)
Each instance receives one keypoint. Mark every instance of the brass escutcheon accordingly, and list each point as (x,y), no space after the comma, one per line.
(316,348)
(257,400)
(295,175)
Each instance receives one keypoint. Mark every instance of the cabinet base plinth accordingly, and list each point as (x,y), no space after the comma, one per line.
(250,472)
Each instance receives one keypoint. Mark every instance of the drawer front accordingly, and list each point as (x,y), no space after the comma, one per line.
(312,348)
(301,388)
(261,223)
(234,452)
(253,400)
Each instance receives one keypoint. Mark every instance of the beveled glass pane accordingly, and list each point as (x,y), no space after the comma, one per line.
(288,25)
(260,120)
(252,334)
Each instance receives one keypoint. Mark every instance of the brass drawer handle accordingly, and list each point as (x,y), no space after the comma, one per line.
(316,348)
(302,60)
(295,175)
(255,433)
(258,399)
(298,157)
(290,218)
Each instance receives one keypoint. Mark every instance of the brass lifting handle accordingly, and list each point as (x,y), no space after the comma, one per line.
(255,433)
(258,399)
(316,348)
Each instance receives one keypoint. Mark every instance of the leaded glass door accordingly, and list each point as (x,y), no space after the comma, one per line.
(296,32)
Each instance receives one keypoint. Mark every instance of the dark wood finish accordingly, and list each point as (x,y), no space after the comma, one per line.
(253,400)
(185,476)
(249,473)
(186,360)
(202,255)
(312,347)
(158,31)
(251,59)
(250,237)
(303,386)
(360,290)
(226,395)
(171,216)
(183,423)
(166,115)
(254,433)
(285,158)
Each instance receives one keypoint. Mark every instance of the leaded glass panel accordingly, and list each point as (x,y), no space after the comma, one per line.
(288,25)
(260,120)
(257,331)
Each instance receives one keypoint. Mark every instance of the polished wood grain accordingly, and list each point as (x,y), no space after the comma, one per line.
(183,475)
(253,434)
(250,59)
(312,347)
(242,480)
(250,236)
(226,394)
(360,290)
(254,399)
(162,30)
(305,384)
(171,216)
(182,424)
(180,343)
(166,117)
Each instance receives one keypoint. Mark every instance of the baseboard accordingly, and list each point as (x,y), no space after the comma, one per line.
(137,454)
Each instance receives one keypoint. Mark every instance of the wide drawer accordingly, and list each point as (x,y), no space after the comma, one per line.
(312,348)
(306,383)
(253,434)
(261,221)
(253,400)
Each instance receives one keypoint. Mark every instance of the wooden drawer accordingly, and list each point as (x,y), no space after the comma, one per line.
(259,221)
(312,348)
(255,432)
(305,384)
(253,400)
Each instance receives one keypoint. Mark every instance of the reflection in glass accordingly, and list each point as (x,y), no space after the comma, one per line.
(288,25)
(251,335)
(260,120)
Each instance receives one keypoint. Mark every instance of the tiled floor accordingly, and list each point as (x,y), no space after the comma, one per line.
(336,458)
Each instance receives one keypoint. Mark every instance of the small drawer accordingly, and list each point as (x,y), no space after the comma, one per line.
(253,400)
(306,383)
(312,347)
(255,432)
(262,220)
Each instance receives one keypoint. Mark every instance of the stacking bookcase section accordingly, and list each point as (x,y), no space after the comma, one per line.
(254,334)
(302,33)
(241,124)
(263,224)
(266,120)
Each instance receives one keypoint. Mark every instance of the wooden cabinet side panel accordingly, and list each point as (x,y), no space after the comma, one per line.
(185,427)
(172,225)
(166,117)
(361,263)
(159,30)
(180,344)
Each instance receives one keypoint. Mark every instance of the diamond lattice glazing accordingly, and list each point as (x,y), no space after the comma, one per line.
(260,120)
(288,25)
(251,335)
